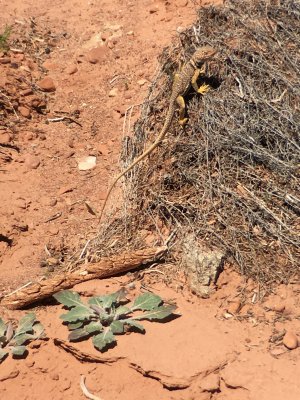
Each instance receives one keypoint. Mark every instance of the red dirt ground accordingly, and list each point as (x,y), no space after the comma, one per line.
(226,347)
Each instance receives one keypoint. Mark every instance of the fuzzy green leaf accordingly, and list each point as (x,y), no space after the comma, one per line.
(75,325)
(9,332)
(122,311)
(38,330)
(18,350)
(103,339)
(3,354)
(94,326)
(21,339)
(108,300)
(78,334)
(3,327)
(134,324)
(156,314)
(78,313)
(146,302)
(117,327)
(26,324)
(68,298)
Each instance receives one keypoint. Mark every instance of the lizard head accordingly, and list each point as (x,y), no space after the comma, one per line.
(203,54)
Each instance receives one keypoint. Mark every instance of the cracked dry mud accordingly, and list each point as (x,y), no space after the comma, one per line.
(99,58)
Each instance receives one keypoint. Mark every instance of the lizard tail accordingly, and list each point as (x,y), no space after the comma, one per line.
(132,165)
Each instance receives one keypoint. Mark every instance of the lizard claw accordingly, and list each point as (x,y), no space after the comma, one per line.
(203,89)
(183,121)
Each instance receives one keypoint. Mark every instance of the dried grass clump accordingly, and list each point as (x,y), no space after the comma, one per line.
(232,175)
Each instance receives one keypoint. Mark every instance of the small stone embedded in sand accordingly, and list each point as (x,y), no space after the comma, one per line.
(210,383)
(182,3)
(53,230)
(234,307)
(290,340)
(142,82)
(96,55)
(275,304)
(24,111)
(32,162)
(65,189)
(4,60)
(277,351)
(21,203)
(4,137)
(9,375)
(86,163)
(50,66)
(72,69)
(47,84)
(113,92)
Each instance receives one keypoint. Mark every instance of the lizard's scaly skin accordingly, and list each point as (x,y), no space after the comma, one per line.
(182,82)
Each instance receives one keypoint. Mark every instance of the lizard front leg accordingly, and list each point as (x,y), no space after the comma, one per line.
(182,119)
(203,88)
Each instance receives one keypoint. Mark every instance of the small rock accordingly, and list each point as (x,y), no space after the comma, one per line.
(86,163)
(128,95)
(142,82)
(26,92)
(97,55)
(277,351)
(4,137)
(72,69)
(10,375)
(47,201)
(47,84)
(153,10)
(130,33)
(66,384)
(182,3)
(52,261)
(69,154)
(54,377)
(275,304)
(210,383)
(71,143)
(32,162)
(21,203)
(29,363)
(290,340)
(113,92)
(24,111)
(105,36)
(234,307)
(27,135)
(50,66)
(65,189)
(4,60)
(103,149)
(53,230)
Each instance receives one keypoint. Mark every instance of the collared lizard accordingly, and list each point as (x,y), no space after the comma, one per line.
(187,77)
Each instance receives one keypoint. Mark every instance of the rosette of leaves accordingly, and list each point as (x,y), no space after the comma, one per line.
(103,317)
(14,340)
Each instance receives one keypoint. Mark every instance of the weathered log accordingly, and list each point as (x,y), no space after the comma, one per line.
(106,267)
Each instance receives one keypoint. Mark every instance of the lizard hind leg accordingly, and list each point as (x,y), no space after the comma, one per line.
(182,119)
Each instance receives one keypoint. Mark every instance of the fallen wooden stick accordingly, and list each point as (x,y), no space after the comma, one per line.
(106,267)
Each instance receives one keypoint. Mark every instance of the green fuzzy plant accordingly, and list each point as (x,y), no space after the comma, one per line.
(105,316)
(14,340)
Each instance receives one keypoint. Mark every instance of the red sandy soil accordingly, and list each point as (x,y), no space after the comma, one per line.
(226,347)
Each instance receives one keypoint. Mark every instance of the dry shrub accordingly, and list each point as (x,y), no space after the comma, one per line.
(231,176)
